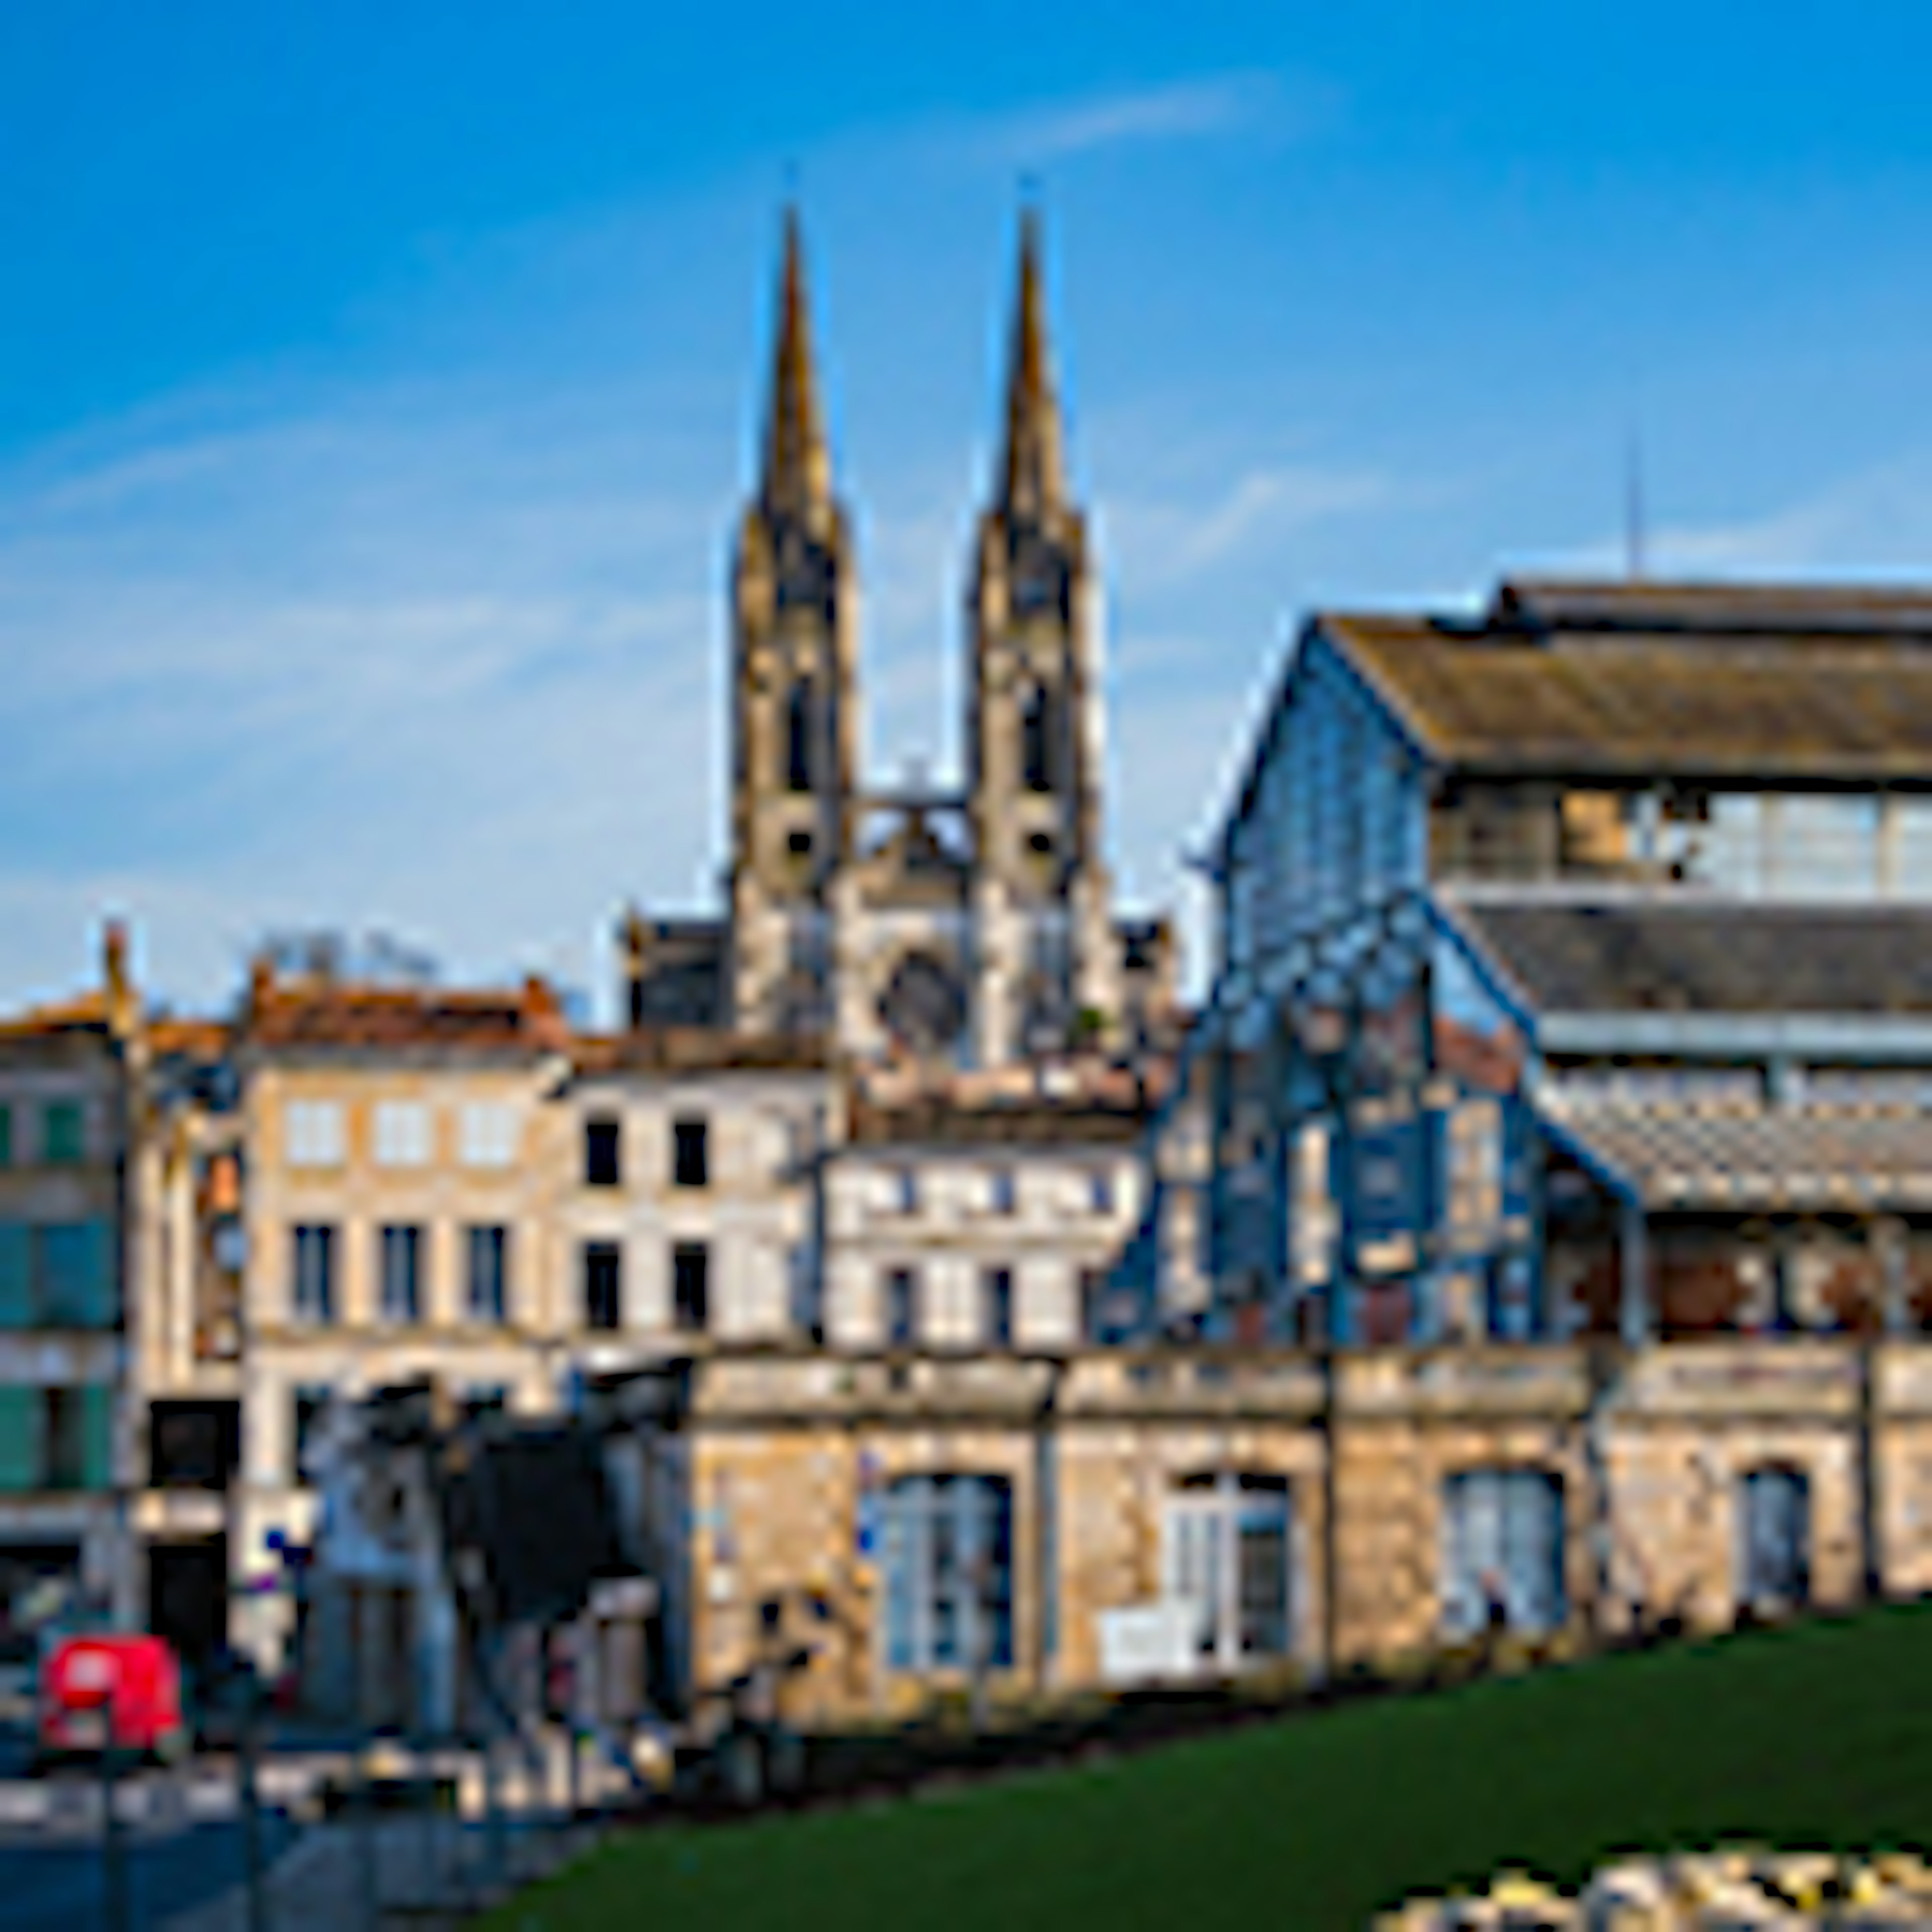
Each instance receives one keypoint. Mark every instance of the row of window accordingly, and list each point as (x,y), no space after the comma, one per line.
(58,1274)
(56,1439)
(62,1137)
(313,1273)
(904,1323)
(315,1134)
(487,1250)
(1002,1190)
(602,1274)
(604,1153)
(403,1136)
(945,1549)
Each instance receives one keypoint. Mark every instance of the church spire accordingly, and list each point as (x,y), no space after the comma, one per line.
(798,472)
(1031,480)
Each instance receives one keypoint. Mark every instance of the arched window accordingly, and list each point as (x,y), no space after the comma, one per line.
(1037,723)
(799,720)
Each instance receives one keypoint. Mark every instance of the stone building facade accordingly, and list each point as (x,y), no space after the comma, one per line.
(68,1446)
(1037,1519)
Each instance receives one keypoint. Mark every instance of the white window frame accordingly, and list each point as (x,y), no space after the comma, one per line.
(313,1133)
(487,1134)
(402,1135)
(1217,1517)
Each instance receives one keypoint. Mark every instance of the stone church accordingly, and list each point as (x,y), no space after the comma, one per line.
(958,930)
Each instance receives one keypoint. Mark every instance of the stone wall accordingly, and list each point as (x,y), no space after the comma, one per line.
(1650,1451)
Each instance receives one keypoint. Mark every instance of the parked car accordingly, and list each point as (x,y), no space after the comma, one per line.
(108,1689)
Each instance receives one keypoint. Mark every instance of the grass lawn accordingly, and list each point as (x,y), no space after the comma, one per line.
(1817,1735)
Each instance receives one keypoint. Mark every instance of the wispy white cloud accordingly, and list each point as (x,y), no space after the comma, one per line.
(1164,542)
(1214,106)
(353,666)
(1876,522)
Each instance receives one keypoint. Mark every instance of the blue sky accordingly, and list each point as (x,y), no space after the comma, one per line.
(375,387)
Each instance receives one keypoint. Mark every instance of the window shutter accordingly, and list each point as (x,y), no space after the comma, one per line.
(98,1296)
(63,1137)
(19,1439)
(16,1285)
(55,1271)
(97,1436)
(76,1274)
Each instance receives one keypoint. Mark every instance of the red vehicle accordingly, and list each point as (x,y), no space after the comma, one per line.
(103,1690)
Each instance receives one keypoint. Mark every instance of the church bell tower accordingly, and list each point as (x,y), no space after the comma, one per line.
(794,725)
(1047,970)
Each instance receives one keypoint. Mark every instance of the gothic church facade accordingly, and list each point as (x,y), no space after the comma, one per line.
(962,930)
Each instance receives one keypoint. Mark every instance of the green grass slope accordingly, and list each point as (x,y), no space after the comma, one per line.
(1816,1735)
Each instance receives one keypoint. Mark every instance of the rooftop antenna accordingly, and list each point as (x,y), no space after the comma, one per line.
(1634,505)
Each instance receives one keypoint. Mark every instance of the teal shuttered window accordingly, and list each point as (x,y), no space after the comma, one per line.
(17,1278)
(62,1137)
(19,1439)
(75,1270)
(59,1275)
(56,1439)
(97,1436)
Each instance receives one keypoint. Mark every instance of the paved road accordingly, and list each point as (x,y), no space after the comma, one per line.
(56,1882)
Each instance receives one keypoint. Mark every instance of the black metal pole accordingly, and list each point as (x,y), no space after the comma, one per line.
(113,1846)
(251,1805)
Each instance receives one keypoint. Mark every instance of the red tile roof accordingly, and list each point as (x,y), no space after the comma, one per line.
(303,1014)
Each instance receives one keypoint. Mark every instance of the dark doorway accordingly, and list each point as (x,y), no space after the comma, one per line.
(187,1597)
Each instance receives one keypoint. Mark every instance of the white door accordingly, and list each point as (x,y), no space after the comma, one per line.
(1228,1550)
(1196,1536)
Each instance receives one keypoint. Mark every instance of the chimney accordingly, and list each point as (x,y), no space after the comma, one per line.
(122,1007)
(261,983)
(634,938)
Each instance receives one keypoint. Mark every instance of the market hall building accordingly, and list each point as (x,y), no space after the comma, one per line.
(1554,1190)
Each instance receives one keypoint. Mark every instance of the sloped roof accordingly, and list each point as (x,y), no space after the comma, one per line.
(1095,1102)
(935,1122)
(1893,610)
(1654,953)
(696,1050)
(87,1013)
(1759,1155)
(307,1016)
(1646,680)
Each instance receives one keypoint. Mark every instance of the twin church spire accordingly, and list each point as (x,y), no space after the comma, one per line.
(796,476)
(1003,879)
